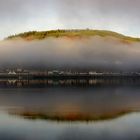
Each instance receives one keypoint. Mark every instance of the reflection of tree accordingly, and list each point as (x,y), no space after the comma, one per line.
(69,82)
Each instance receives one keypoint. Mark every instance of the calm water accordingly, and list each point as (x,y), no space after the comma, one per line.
(70,110)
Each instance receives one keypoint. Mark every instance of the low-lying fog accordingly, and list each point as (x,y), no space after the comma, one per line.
(65,53)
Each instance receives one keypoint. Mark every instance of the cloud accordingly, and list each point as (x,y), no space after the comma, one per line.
(120,15)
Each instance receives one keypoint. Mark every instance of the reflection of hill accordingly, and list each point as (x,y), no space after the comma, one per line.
(102,100)
(70,116)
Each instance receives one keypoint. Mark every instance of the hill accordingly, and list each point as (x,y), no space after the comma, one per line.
(39,35)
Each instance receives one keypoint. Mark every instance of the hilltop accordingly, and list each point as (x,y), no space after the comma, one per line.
(40,35)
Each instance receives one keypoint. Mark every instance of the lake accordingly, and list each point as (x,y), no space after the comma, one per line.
(86,109)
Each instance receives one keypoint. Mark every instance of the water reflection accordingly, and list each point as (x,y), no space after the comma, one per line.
(70,109)
(9,83)
(100,100)
(124,128)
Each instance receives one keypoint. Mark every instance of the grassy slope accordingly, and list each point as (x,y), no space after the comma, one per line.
(70,33)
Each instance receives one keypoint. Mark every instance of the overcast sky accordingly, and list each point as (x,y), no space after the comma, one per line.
(23,15)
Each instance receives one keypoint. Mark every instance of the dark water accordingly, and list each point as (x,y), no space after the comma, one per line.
(70,110)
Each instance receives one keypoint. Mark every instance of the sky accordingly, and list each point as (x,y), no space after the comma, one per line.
(17,16)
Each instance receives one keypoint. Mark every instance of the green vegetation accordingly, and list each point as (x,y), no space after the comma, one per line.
(35,35)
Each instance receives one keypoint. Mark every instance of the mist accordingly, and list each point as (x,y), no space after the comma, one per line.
(93,53)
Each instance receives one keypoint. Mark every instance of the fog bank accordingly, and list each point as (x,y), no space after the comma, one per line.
(99,53)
